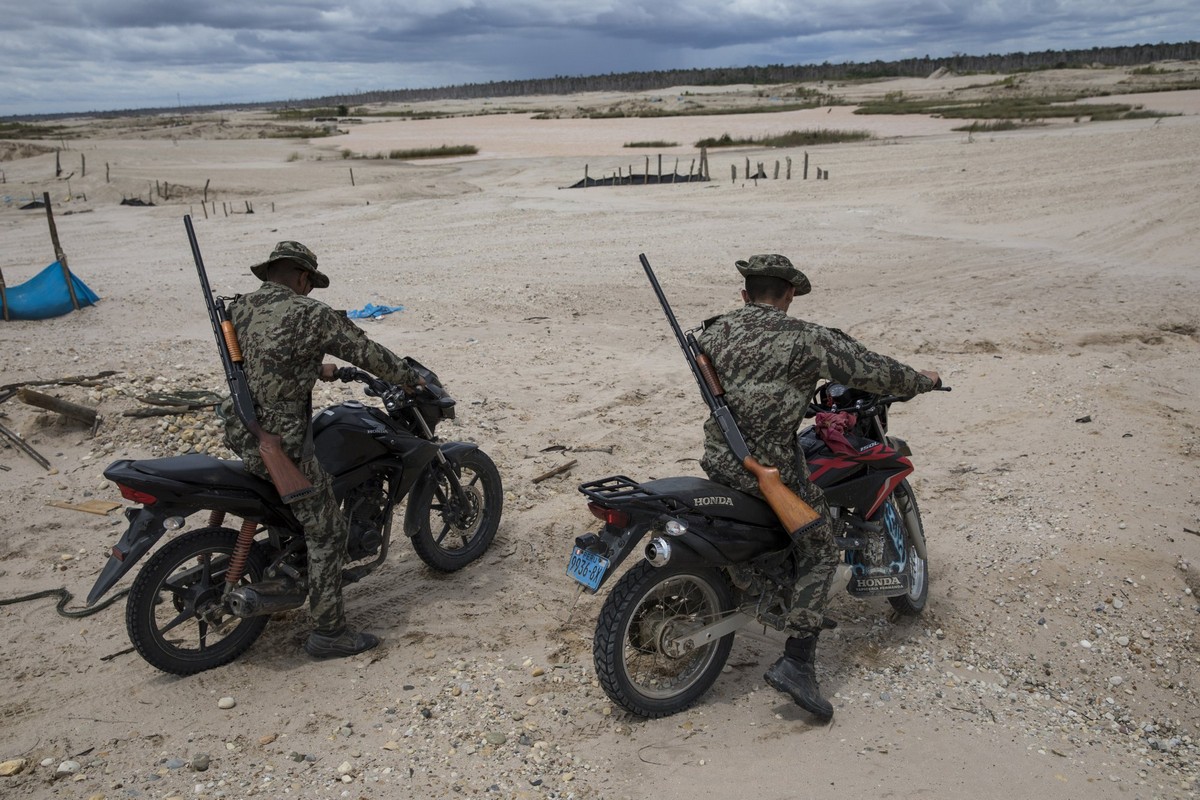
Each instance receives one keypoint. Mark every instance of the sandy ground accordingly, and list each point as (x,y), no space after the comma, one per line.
(1049,274)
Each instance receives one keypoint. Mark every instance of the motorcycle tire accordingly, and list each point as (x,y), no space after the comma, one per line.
(174,610)
(647,606)
(447,533)
(912,602)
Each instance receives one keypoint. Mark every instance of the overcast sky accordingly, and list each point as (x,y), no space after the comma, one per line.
(84,55)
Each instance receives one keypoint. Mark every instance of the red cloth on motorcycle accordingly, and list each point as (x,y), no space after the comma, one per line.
(831,426)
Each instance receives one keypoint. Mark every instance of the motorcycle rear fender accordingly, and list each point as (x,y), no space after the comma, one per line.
(145,528)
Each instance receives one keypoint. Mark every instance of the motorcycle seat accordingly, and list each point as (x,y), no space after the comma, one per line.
(196,468)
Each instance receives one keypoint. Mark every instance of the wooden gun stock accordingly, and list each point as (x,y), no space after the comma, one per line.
(290,482)
(792,511)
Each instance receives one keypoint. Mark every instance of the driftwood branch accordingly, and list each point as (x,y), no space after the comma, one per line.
(556,471)
(66,408)
(22,445)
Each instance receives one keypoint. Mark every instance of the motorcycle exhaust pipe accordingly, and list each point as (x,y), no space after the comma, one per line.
(658,551)
(248,601)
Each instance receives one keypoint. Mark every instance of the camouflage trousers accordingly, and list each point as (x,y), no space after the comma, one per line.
(325,534)
(816,562)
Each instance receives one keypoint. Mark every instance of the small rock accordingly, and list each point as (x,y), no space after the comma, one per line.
(175,763)
(226,702)
(345,768)
(495,737)
(270,737)
(68,767)
(10,768)
(201,762)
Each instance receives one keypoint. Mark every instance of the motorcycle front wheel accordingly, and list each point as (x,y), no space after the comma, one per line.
(450,530)
(649,607)
(912,602)
(174,613)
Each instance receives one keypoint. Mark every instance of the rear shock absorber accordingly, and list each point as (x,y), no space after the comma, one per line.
(241,552)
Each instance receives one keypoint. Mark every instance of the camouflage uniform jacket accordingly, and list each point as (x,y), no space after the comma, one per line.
(769,365)
(284,337)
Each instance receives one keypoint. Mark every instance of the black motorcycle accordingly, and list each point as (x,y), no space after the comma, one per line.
(205,597)
(718,559)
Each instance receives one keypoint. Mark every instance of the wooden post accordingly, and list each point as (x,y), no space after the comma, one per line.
(733,173)
(352,176)
(205,207)
(58,251)
(777,169)
(645,171)
(704,163)
(272,206)
(249,208)
(3,296)
(57,165)
(805,165)
(660,167)
(225,208)
(691,167)
(82,165)
(747,166)
(789,168)
(106,172)
(206,182)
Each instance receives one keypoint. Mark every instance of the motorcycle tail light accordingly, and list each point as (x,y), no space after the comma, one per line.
(609,516)
(133,495)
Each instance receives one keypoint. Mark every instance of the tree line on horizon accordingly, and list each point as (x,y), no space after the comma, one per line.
(1118,56)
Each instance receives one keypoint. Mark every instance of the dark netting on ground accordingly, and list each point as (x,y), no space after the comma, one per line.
(637,180)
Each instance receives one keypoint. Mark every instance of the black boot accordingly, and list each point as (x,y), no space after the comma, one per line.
(795,674)
(339,643)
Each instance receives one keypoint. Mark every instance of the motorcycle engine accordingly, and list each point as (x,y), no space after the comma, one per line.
(365,507)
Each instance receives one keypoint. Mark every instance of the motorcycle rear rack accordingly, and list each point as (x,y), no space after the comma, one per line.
(618,490)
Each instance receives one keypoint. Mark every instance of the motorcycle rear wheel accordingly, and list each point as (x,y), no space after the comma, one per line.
(647,607)
(912,602)
(174,613)
(447,532)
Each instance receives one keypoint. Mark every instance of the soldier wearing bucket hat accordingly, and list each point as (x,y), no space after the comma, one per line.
(769,364)
(299,256)
(284,337)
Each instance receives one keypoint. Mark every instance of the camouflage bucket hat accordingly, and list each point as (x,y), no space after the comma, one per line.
(775,266)
(299,254)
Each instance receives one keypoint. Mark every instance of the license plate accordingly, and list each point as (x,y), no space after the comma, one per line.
(587,567)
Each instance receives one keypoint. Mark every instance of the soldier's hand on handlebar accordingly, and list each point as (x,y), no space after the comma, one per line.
(933,376)
(328,372)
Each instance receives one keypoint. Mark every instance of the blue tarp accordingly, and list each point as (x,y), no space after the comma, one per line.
(45,295)
(372,311)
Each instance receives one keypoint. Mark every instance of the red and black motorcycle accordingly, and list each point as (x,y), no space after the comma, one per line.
(718,559)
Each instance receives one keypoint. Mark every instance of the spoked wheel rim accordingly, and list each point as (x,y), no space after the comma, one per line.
(672,608)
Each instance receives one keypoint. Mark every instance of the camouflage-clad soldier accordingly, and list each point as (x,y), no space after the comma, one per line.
(769,365)
(284,335)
